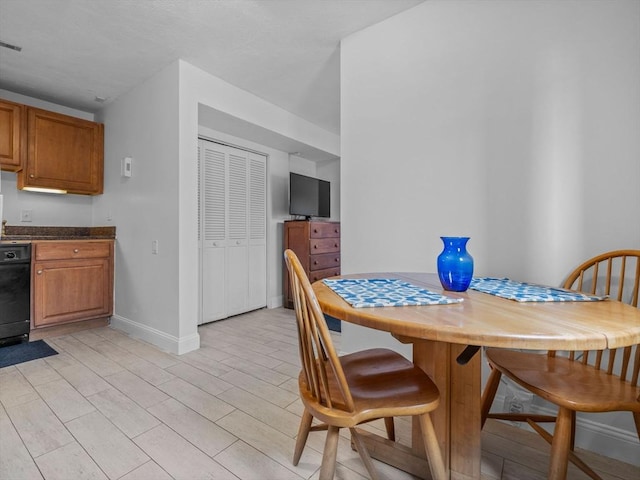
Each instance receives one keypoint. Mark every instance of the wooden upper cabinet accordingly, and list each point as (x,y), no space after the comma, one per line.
(63,152)
(12,137)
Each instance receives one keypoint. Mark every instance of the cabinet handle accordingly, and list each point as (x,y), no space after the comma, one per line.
(337,260)
(75,250)
(315,230)
(32,176)
(39,272)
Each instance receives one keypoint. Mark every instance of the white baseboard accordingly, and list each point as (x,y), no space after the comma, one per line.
(156,337)
(275,302)
(596,437)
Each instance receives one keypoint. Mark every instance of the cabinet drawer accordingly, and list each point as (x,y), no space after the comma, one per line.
(326,260)
(324,245)
(320,274)
(324,230)
(71,250)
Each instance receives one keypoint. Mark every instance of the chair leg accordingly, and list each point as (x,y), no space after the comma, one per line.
(636,419)
(303,433)
(364,454)
(328,467)
(573,430)
(391,429)
(489,393)
(434,455)
(573,458)
(561,445)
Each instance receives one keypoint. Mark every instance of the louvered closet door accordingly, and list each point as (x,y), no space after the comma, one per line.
(257,231)
(237,251)
(213,232)
(233,218)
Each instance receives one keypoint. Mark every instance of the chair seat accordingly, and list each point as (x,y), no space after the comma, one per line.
(566,383)
(382,382)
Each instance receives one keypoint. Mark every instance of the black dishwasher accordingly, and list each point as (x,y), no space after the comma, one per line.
(15,292)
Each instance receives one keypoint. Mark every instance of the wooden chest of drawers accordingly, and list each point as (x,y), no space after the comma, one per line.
(317,245)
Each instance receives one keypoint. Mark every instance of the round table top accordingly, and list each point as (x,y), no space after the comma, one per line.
(486,320)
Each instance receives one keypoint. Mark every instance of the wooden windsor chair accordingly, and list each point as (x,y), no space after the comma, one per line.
(346,391)
(586,381)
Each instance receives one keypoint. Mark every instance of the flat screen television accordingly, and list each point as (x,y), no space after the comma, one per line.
(308,196)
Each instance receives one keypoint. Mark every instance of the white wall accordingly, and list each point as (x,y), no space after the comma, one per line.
(47,209)
(515,123)
(143,124)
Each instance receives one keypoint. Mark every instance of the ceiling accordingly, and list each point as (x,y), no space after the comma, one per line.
(284,51)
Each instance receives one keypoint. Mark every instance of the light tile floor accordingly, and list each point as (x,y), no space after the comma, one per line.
(112,407)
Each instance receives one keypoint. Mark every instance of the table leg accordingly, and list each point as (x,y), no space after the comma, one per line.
(457,419)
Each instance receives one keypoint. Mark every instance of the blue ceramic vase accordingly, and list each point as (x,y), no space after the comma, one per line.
(455,265)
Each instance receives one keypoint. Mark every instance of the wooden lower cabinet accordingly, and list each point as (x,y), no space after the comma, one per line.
(71,281)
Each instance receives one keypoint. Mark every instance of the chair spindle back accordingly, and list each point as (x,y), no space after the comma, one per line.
(317,352)
(616,274)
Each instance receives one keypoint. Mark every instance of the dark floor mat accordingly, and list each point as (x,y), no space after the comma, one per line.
(24,352)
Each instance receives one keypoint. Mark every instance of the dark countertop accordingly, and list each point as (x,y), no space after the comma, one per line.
(22,233)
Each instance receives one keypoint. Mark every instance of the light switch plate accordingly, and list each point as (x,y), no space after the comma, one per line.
(126,166)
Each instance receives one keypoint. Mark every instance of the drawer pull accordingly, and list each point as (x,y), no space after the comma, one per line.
(75,250)
(39,272)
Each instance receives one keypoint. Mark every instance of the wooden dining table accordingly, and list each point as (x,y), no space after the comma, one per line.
(445,341)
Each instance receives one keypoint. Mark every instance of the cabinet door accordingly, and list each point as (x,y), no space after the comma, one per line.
(63,153)
(11,136)
(68,290)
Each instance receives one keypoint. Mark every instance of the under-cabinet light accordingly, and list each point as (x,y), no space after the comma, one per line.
(44,190)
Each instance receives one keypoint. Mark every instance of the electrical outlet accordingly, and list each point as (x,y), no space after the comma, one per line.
(26,215)
(154,247)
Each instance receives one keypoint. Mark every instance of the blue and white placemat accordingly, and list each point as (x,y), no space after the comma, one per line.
(385,292)
(529,292)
